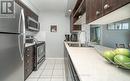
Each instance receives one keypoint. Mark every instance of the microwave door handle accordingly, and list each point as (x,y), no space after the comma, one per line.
(38,26)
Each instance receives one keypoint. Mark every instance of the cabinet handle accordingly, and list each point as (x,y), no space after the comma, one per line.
(27,70)
(28,49)
(28,55)
(106,6)
(27,61)
(97,12)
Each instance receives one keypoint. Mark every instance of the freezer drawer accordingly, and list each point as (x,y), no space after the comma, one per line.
(11,57)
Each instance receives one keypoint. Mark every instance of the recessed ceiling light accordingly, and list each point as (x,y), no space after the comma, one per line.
(70,10)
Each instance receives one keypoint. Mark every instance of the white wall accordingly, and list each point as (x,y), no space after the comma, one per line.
(54,41)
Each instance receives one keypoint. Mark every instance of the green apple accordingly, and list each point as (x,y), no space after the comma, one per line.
(122,51)
(122,60)
(109,55)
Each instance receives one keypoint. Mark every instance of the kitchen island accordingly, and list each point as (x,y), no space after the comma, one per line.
(91,66)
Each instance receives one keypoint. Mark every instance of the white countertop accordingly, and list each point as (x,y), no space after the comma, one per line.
(29,44)
(91,66)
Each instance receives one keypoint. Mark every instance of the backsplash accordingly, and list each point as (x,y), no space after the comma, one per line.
(117,32)
(112,34)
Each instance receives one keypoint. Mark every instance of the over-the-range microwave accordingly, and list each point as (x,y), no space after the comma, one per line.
(33,24)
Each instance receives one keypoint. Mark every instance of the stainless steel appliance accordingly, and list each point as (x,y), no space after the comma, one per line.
(33,24)
(74,37)
(67,37)
(12,40)
(29,39)
(40,54)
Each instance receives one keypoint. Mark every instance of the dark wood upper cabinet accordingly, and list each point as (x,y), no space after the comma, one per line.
(110,5)
(87,11)
(95,9)
(124,2)
(78,11)
(74,28)
(98,8)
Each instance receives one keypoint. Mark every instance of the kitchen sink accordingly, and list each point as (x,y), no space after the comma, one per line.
(76,45)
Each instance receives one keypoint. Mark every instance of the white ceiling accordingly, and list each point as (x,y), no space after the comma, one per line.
(53,5)
(50,5)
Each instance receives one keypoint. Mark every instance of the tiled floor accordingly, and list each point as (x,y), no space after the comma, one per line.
(51,70)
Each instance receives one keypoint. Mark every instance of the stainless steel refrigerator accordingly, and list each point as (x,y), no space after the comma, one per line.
(12,40)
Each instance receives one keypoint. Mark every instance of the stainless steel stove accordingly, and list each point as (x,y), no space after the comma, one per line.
(39,54)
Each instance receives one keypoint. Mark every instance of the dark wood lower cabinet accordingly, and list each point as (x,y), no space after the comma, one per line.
(70,72)
(28,61)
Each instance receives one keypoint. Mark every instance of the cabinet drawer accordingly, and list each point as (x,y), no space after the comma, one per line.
(28,68)
(28,61)
(29,49)
(28,56)
(27,72)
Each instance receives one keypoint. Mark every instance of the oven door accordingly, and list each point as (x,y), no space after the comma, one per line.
(40,52)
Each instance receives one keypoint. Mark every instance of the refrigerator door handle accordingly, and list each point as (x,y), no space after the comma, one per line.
(22,22)
(23,33)
(20,46)
(21,37)
(20,19)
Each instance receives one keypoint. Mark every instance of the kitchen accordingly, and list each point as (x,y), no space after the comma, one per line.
(64,40)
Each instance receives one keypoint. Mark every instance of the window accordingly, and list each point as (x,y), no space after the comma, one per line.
(125,26)
(118,26)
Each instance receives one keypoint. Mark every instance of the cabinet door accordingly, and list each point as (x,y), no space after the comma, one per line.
(28,61)
(95,10)
(73,27)
(124,2)
(71,23)
(110,5)
(87,11)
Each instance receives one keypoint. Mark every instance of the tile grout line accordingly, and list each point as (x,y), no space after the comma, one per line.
(39,75)
(63,71)
(53,71)
(42,72)
(61,65)
(55,62)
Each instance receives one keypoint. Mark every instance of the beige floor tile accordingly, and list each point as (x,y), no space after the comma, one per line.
(57,79)
(32,79)
(58,73)
(47,73)
(44,79)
